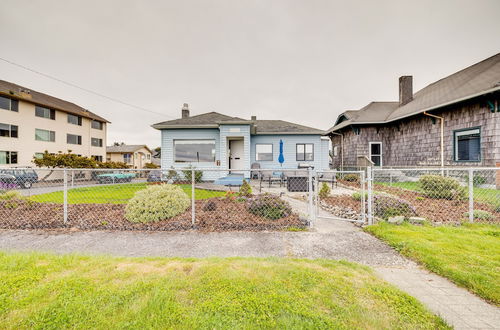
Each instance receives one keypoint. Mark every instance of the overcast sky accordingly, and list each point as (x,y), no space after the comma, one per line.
(302,61)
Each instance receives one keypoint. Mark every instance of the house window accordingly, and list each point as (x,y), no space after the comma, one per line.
(97,124)
(96,142)
(263,152)
(7,130)
(9,104)
(44,135)
(467,145)
(8,157)
(97,158)
(376,153)
(45,112)
(305,152)
(148,156)
(127,158)
(75,120)
(194,151)
(73,139)
(38,155)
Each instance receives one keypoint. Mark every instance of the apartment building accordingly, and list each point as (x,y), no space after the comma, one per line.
(32,122)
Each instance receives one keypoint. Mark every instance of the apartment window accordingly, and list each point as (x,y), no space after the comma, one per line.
(8,157)
(75,120)
(73,139)
(127,158)
(45,112)
(264,152)
(44,135)
(96,142)
(97,124)
(38,155)
(9,104)
(304,152)
(194,151)
(7,130)
(376,153)
(97,158)
(467,145)
(148,156)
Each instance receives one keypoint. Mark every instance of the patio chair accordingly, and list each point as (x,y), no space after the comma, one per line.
(255,174)
(271,177)
(330,177)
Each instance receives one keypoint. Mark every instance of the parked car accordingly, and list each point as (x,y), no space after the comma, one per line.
(115,177)
(23,178)
(154,176)
(7,181)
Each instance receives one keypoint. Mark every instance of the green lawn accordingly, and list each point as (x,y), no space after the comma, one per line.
(48,291)
(485,195)
(116,194)
(468,255)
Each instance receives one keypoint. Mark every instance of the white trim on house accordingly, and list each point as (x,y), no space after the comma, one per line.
(381,155)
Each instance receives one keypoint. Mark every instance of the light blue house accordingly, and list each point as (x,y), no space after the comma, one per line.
(216,141)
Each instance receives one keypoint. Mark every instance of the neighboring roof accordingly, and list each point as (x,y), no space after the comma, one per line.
(215,119)
(15,91)
(126,148)
(478,79)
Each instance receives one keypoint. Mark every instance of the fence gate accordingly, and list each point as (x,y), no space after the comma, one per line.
(341,195)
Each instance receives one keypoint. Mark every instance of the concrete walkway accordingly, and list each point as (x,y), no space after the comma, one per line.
(329,239)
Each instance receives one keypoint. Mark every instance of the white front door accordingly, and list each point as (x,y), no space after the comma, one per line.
(236,155)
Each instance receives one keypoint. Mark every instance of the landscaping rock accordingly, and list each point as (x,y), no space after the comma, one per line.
(396,220)
(417,220)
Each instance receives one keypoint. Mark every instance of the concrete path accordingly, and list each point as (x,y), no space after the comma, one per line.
(329,239)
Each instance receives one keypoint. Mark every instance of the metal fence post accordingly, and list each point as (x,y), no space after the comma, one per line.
(192,197)
(310,195)
(369,178)
(363,197)
(471,195)
(65,196)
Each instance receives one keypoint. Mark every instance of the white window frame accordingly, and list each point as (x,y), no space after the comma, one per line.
(461,132)
(257,152)
(381,155)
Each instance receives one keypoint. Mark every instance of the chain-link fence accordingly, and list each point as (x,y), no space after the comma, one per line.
(449,195)
(164,200)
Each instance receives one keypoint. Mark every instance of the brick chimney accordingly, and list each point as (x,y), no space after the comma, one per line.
(405,89)
(185,110)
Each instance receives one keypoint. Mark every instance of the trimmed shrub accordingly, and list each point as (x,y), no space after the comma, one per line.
(441,187)
(386,207)
(245,189)
(324,191)
(351,177)
(210,206)
(480,215)
(155,203)
(269,206)
(357,196)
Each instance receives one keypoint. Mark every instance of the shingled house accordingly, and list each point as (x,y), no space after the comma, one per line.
(454,121)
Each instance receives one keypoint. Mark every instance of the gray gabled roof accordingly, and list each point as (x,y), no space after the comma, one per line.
(126,148)
(475,80)
(215,119)
(12,90)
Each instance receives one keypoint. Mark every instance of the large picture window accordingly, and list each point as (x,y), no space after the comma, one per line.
(44,135)
(97,124)
(45,112)
(188,151)
(73,139)
(467,145)
(96,142)
(9,104)
(75,120)
(263,152)
(305,152)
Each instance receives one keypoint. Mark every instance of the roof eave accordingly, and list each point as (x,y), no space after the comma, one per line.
(160,126)
(289,133)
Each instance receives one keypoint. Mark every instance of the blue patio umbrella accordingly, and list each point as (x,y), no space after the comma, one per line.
(281,158)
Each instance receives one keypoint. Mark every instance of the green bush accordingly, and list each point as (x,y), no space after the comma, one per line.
(245,189)
(357,195)
(157,202)
(351,177)
(441,187)
(324,191)
(188,175)
(269,206)
(11,194)
(386,207)
(480,215)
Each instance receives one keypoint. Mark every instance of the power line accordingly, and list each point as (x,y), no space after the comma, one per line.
(85,89)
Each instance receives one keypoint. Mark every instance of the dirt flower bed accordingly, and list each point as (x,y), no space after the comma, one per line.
(227,216)
(343,201)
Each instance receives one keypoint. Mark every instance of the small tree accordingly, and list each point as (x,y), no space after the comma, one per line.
(245,189)
(324,191)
